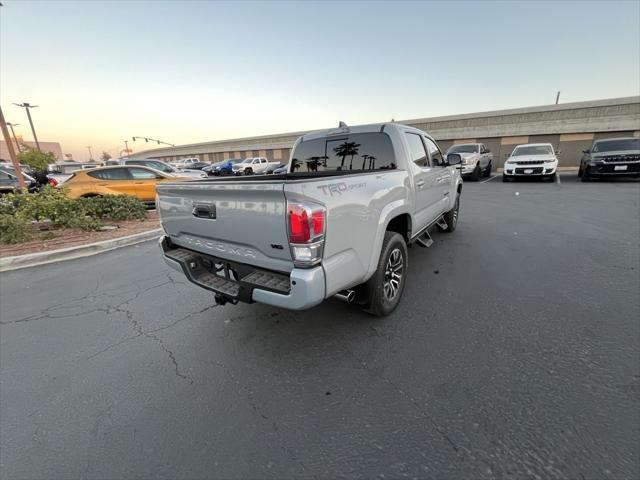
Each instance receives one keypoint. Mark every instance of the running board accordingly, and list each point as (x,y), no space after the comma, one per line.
(442,223)
(425,240)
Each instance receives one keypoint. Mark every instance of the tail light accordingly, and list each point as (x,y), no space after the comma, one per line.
(306,224)
(53,182)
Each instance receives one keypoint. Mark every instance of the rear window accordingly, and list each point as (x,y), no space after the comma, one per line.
(110,174)
(355,152)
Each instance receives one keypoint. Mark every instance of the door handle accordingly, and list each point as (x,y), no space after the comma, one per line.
(420,184)
(138,183)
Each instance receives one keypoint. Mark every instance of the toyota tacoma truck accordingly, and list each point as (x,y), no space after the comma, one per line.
(336,224)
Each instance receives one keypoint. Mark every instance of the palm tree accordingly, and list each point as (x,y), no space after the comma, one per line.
(345,149)
(312,163)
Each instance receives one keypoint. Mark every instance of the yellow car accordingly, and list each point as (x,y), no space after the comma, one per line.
(137,181)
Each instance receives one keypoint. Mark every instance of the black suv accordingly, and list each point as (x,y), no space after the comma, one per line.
(611,157)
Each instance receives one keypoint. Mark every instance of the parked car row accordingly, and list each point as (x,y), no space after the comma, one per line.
(607,157)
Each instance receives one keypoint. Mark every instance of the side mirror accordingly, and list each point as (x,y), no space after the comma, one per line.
(587,151)
(454,159)
(558,152)
(487,151)
(168,169)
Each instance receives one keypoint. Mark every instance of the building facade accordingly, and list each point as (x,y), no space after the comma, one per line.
(53,147)
(569,127)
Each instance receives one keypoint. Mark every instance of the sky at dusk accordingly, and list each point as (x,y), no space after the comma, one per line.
(187,72)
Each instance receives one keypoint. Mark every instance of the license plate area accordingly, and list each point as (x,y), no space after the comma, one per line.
(619,168)
(234,280)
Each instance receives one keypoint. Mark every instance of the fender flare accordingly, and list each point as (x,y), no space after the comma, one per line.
(389,212)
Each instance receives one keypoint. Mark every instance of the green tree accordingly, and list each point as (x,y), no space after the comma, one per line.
(35,159)
(105,156)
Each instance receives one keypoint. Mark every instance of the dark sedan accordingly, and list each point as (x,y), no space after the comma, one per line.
(9,182)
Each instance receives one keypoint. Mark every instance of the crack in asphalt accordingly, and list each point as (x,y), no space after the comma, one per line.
(254,406)
(123,307)
(458,449)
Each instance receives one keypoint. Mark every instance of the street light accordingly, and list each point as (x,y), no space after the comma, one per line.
(90,154)
(11,125)
(27,106)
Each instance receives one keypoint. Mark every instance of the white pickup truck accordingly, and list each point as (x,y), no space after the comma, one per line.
(477,159)
(337,224)
(253,165)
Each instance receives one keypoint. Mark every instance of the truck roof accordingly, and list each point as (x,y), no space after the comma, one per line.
(367,128)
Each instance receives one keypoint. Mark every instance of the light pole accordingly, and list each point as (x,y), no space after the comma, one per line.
(126,146)
(11,125)
(12,152)
(27,106)
(90,154)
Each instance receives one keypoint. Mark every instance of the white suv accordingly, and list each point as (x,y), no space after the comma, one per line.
(531,160)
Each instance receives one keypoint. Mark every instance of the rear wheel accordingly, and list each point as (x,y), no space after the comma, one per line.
(384,289)
(451,217)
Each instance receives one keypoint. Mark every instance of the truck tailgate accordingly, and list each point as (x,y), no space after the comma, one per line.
(238,221)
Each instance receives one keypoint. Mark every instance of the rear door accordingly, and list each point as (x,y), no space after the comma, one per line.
(243,221)
(427,193)
(116,180)
(145,183)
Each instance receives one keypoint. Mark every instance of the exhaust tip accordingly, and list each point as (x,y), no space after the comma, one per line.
(346,295)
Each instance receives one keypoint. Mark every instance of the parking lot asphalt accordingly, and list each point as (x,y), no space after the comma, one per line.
(515,352)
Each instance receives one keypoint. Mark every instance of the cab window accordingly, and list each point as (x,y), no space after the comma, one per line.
(417,151)
(434,152)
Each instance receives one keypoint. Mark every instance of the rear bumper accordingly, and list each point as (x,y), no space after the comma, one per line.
(305,289)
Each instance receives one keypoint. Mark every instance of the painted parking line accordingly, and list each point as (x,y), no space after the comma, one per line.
(489,179)
(558,179)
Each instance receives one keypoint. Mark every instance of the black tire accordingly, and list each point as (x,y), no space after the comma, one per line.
(248,171)
(381,297)
(487,171)
(580,172)
(504,178)
(451,217)
(585,176)
(475,175)
(550,178)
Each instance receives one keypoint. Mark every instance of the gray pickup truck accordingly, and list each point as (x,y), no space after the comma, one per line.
(336,224)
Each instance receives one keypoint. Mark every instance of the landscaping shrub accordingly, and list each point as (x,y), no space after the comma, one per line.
(18,210)
(114,207)
(14,229)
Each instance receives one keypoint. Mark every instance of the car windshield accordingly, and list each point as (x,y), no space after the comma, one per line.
(464,149)
(617,145)
(247,160)
(532,150)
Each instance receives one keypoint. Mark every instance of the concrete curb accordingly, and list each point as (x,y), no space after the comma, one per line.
(42,258)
